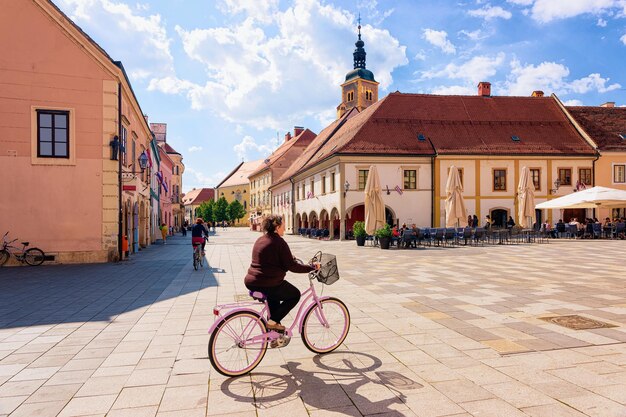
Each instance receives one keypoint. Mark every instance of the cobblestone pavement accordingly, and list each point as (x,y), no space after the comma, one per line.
(435,332)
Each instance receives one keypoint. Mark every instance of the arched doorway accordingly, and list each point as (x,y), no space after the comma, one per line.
(357,213)
(499,217)
(324,220)
(298,221)
(135,227)
(313,220)
(335,220)
(305,221)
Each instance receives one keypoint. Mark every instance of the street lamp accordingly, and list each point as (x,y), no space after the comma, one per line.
(143,161)
(557,184)
(346,188)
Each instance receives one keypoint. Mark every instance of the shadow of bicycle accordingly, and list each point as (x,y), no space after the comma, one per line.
(338,381)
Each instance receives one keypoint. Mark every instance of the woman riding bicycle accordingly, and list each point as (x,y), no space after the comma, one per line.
(198,233)
(271,259)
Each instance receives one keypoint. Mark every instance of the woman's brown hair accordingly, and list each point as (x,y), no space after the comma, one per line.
(271,223)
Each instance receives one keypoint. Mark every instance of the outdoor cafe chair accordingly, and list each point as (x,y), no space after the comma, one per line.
(571,231)
(408,238)
(620,228)
(479,236)
(420,236)
(439,236)
(450,236)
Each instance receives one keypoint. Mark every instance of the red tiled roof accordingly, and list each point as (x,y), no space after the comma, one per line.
(315,145)
(168,149)
(198,196)
(239,176)
(281,158)
(603,124)
(470,125)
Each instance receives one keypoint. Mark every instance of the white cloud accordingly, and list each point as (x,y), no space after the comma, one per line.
(195,148)
(545,11)
(256,74)
(439,38)
(623,39)
(573,102)
(197,179)
(474,35)
(552,77)
(261,10)
(479,68)
(521,2)
(601,23)
(489,12)
(420,56)
(593,82)
(455,90)
(105,20)
(248,144)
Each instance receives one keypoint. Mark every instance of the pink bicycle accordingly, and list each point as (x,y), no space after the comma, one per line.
(239,337)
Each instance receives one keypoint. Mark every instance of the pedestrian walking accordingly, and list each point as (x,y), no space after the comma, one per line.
(164,233)
(183,229)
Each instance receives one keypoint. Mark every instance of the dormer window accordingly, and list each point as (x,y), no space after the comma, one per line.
(622,136)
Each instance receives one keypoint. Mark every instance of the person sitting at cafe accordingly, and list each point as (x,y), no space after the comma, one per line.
(488,222)
(510,223)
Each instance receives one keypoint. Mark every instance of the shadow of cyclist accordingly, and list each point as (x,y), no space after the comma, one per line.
(330,386)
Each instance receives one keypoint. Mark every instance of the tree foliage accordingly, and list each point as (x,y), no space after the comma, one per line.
(206,211)
(235,211)
(220,210)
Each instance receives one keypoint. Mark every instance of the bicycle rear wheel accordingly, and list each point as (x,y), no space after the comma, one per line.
(34,256)
(4,256)
(195,259)
(232,351)
(321,338)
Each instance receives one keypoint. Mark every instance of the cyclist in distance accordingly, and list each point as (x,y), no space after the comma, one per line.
(198,232)
(271,259)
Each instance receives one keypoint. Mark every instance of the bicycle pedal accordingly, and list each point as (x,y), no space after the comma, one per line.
(282,341)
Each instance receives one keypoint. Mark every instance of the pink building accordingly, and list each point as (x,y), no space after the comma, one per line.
(166,203)
(71,138)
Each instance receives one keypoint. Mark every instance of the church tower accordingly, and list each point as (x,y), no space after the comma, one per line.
(360,89)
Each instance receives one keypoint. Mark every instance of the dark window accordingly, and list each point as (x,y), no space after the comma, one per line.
(499,180)
(565,176)
(332,182)
(53,134)
(584,174)
(535,174)
(123,146)
(410,179)
(619,174)
(363,178)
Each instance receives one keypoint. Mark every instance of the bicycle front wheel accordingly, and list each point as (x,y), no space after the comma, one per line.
(325,329)
(195,260)
(4,256)
(237,345)
(34,256)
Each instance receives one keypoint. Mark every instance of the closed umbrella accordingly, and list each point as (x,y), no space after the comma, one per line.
(374,205)
(455,205)
(526,199)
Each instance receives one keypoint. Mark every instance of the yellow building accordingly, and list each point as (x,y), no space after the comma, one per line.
(236,186)
(606,126)
(272,168)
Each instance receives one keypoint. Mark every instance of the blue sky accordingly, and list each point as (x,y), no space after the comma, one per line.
(230,76)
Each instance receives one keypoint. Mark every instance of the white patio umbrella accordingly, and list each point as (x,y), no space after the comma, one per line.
(455,205)
(526,199)
(595,197)
(374,205)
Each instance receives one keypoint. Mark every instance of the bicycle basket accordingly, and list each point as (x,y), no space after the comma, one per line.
(328,273)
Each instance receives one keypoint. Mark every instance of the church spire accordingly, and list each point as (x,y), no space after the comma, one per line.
(359,52)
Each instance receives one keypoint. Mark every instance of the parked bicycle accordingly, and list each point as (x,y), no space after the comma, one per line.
(31,256)
(197,256)
(239,336)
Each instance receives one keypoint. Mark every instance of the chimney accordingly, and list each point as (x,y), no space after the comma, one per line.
(537,93)
(608,104)
(484,89)
(287,136)
(297,130)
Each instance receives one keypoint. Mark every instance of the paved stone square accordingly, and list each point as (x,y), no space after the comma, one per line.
(435,332)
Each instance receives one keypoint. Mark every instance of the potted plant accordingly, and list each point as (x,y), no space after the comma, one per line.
(359,233)
(384,236)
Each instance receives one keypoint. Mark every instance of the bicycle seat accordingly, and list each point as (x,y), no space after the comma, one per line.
(25,243)
(258,295)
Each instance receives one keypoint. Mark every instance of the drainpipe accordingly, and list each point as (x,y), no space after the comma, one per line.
(293,207)
(432,184)
(119,170)
(593,175)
